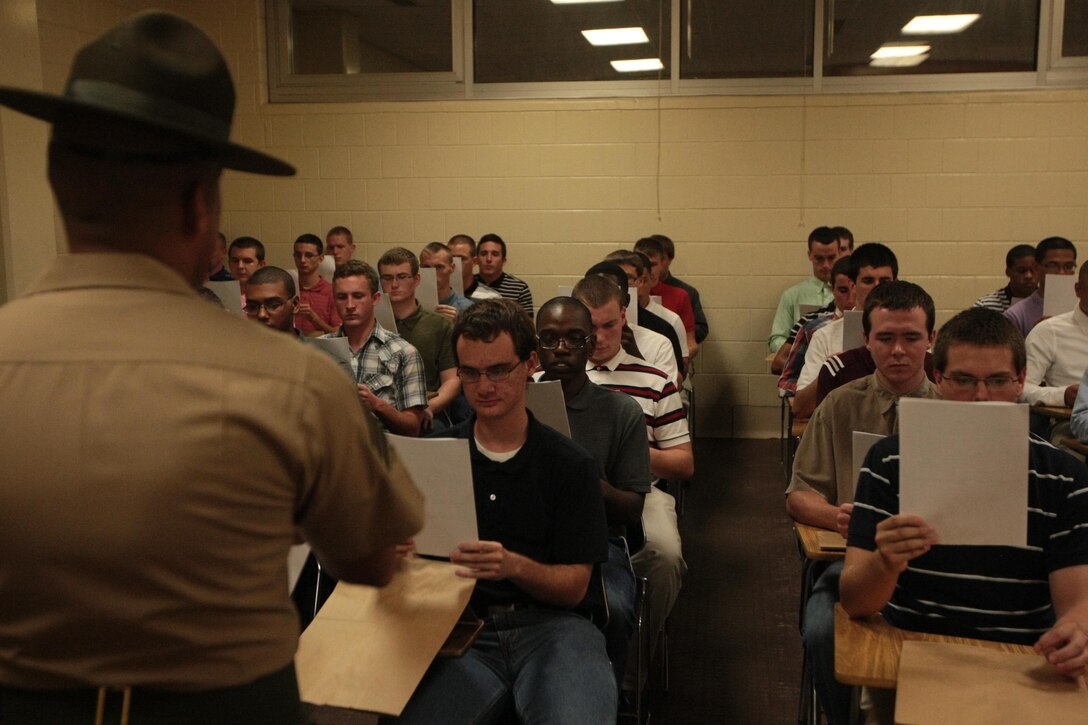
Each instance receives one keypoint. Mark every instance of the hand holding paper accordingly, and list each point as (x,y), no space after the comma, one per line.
(901,538)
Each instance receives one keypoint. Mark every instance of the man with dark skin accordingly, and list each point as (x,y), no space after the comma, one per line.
(271,299)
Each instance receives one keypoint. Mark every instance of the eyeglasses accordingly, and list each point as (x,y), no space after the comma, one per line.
(995,383)
(495,373)
(1067,267)
(403,277)
(551,340)
(254,306)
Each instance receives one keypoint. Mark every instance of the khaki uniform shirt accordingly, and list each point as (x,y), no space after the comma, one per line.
(825,460)
(158,455)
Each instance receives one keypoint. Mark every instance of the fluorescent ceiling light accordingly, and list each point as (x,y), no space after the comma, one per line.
(899,51)
(616,36)
(939,24)
(581,2)
(906,62)
(633,66)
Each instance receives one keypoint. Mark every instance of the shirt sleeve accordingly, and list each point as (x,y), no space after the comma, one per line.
(1042,355)
(631,469)
(411,380)
(819,349)
(669,424)
(1079,420)
(814,464)
(784,317)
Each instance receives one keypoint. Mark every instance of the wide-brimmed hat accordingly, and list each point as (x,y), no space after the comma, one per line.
(160,72)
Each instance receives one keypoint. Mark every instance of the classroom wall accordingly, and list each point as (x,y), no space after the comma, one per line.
(949,180)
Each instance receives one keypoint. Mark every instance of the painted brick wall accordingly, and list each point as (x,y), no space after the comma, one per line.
(950,181)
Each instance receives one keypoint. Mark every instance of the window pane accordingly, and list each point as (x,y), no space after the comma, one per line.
(523,41)
(1075,30)
(1002,39)
(745,39)
(371,36)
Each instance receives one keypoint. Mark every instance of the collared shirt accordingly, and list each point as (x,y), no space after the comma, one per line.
(511,288)
(844,367)
(320,299)
(826,341)
(1057,356)
(388,365)
(457,301)
(158,459)
(666,425)
(656,350)
(431,334)
(673,319)
(654,323)
(808,292)
(677,300)
(999,300)
(795,361)
(824,462)
(1026,313)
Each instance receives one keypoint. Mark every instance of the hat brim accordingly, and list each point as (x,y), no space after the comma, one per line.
(50,107)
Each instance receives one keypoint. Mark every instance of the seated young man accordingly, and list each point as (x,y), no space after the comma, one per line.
(245,256)
(1053,256)
(1020,269)
(542,528)
(491,256)
(665,276)
(271,299)
(823,252)
(316,313)
(672,298)
(450,303)
(1034,595)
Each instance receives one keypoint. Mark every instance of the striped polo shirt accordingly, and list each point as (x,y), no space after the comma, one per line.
(666,424)
(512,288)
(986,592)
(999,300)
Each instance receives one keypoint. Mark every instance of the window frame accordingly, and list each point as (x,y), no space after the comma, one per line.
(1052,71)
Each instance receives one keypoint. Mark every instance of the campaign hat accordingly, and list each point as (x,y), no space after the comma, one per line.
(156,72)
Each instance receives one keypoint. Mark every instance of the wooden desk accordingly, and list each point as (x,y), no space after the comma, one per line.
(867,650)
(1052,412)
(1074,445)
(809,536)
(797,429)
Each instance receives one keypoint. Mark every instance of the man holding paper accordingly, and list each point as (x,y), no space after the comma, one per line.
(542,528)
(1053,256)
(1034,594)
(451,303)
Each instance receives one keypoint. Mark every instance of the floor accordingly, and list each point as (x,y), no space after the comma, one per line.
(734,649)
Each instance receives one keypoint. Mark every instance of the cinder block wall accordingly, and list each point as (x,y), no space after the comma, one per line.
(949,180)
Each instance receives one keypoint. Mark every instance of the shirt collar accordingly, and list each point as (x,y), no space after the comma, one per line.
(617,359)
(888,399)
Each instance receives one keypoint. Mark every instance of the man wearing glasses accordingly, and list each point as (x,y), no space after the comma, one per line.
(1053,255)
(542,528)
(271,299)
(428,332)
(1035,595)
(661,559)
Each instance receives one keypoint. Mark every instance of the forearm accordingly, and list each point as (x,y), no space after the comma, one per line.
(693,346)
(326,327)
(402,422)
(809,507)
(676,463)
(780,358)
(563,585)
(447,391)
(804,401)
(867,582)
(1044,395)
(621,507)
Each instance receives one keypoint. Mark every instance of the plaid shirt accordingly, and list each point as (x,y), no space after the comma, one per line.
(390,367)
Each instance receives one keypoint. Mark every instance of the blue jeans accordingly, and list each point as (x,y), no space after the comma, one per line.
(819,636)
(619,585)
(544,665)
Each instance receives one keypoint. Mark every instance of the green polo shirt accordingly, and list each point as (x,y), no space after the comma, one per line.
(431,334)
(809,292)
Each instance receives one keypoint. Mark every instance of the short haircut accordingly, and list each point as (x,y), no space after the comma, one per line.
(873,254)
(487,319)
(822,235)
(634,259)
(614,272)
(650,245)
(272,275)
(495,239)
(560,302)
(898,295)
(358,268)
(597,291)
(666,245)
(399,255)
(248,243)
(463,239)
(841,266)
(435,248)
(341,232)
(1053,243)
(311,239)
(981,327)
(1018,252)
(844,233)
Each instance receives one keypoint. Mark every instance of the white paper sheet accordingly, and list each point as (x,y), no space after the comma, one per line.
(851,330)
(566,290)
(427,291)
(862,442)
(326,269)
(632,308)
(456,280)
(963,467)
(442,471)
(296,559)
(545,400)
(383,313)
(229,293)
(337,348)
(1059,295)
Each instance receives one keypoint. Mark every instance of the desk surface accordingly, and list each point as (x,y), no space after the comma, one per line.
(1074,445)
(809,537)
(797,428)
(867,650)
(1052,411)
